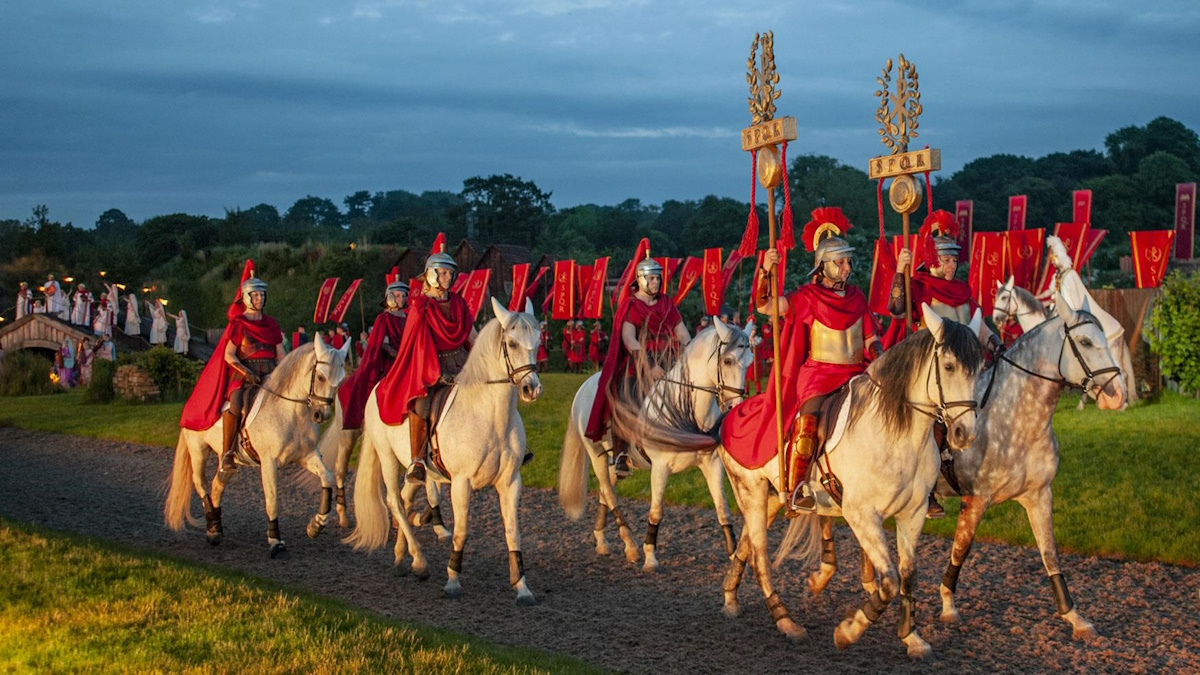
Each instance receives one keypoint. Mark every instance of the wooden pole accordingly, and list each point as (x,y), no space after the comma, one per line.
(908,327)
(778,388)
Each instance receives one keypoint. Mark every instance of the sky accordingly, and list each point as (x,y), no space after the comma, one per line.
(157,107)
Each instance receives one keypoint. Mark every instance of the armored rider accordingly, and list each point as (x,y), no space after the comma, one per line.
(827,337)
(382,346)
(647,327)
(254,348)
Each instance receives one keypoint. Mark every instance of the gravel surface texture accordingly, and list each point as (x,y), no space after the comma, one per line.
(605,610)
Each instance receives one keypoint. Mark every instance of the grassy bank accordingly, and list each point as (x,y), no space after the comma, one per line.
(69,604)
(1125,484)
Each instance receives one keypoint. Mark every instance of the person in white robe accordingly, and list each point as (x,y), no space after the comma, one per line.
(81,313)
(133,320)
(182,332)
(158,327)
(56,299)
(102,324)
(24,300)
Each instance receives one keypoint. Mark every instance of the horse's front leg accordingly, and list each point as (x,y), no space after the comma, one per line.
(608,499)
(460,499)
(908,529)
(317,467)
(1039,505)
(969,515)
(817,581)
(868,527)
(406,539)
(270,481)
(659,473)
(510,500)
(763,504)
(433,495)
(714,476)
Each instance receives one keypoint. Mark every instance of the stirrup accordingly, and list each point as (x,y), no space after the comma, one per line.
(799,503)
(416,472)
(935,510)
(228,463)
(621,465)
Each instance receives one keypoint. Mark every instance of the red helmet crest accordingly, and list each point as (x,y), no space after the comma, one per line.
(827,221)
(940,224)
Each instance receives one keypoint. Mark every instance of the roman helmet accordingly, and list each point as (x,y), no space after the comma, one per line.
(824,237)
(439,260)
(253,285)
(394,287)
(938,236)
(646,268)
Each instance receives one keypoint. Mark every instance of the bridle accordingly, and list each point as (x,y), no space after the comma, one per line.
(941,409)
(721,389)
(311,400)
(515,374)
(1012,304)
(1089,376)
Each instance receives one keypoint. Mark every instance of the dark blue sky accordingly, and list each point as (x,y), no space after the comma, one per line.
(156,107)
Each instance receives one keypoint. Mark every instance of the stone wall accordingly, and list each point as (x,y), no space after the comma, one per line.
(134,384)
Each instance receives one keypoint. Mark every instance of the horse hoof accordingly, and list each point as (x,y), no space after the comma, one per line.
(791,630)
(950,617)
(277,550)
(421,573)
(917,648)
(649,568)
(526,600)
(314,529)
(442,533)
(344,522)
(841,637)
(452,592)
(214,539)
(631,555)
(1086,633)
(731,610)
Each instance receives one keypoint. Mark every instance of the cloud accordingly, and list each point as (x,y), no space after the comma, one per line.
(635,132)
(212,14)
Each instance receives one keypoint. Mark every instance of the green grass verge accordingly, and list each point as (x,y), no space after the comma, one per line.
(68,604)
(1125,482)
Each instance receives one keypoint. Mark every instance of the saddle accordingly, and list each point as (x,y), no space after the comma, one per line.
(439,403)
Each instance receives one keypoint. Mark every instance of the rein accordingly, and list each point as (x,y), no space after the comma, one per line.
(721,387)
(942,406)
(312,396)
(514,374)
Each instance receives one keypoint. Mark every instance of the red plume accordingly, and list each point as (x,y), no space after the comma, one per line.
(439,244)
(820,216)
(940,224)
(926,253)
(392,276)
(622,292)
(237,307)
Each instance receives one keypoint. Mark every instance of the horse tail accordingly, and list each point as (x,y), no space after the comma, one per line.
(802,541)
(177,509)
(372,523)
(572,472)
(331,439)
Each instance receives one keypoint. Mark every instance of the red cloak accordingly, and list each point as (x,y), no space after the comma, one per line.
(656,327)
(927,288)
(216,381)
(374,365)
(594,345)
(433,326)
(748,432)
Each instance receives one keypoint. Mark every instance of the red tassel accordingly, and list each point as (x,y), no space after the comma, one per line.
(750,237)
(787,238)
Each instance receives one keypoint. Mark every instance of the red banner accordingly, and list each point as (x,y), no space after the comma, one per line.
(1151,252)
(672,268)
(964,213)
(1023,255)
(1016,212)
(593,302)
(987,268)
(1073,236)
(564,290)
(541,273)
(1081,206)
(460,282)
(1091,242)
(1185,221)
(475,289)
(324,297)
(583,281)
(339,310)
(727,270)
(711,281)
(690,274)
(516,298)
(898,245)
(883,269)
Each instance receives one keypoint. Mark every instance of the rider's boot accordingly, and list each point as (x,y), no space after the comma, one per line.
(935,508)
(229,436)
(418,434)
(621,457)
(804,441)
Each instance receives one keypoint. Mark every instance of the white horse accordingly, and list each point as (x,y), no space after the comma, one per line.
(708,378)
(481,440)
(882,457)
(282,426)
(1015,455)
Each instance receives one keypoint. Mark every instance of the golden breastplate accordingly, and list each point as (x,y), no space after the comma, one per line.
(961,313)
(837,346)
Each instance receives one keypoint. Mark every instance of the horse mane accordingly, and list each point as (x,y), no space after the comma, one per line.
(487,343)
(285,372)
(1029,302)
(895,372)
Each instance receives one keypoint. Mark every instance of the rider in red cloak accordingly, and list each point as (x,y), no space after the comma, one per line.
(647,325)
(595,337)
(827,334)
(382,346)
(249,349)
(432,351)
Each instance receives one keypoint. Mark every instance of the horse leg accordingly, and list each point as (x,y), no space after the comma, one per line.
(908,529)
(659,473)
(213,531)
(510,500)
(407,494)
(406,539)
(345,446)
(733,575)
(269,481)
(969,515)
(460,499)
(868,527)
(817,581)
(763,503)
(433,495)
(714,475)
(1039,506)
(608,496)
(318,469)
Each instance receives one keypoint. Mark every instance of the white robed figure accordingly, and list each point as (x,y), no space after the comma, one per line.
(24,300)
(56,299)
(158,329)
(81,312)
(182,333)
(102,324)
(133,320)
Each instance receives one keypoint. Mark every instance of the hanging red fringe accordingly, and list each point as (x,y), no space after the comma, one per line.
(750,236)
(928,195)
(787,238)
(879,202)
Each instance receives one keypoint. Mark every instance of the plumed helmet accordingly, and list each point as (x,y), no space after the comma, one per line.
(823,236)
(253,285)
(440,261)
(942,228)
(394,285)
(397,286)
(646,268)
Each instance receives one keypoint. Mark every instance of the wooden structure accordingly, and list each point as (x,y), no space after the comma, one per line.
(40,331)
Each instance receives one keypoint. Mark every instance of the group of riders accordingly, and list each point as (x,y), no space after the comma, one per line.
(418,345)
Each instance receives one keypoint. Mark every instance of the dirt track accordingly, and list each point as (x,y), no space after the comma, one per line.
(604,610)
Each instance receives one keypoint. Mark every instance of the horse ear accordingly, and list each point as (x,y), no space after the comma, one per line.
(345,350)
(976,321)
(1012,281)
(528,306)
(319,345)
(999,286)
(501,312)
(933,321)
(722,329)
(1064,308)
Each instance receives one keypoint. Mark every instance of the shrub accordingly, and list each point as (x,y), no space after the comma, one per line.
(174,374)
(1175,337)
(23,373)
(101,388)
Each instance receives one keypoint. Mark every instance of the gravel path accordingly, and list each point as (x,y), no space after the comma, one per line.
(606,611)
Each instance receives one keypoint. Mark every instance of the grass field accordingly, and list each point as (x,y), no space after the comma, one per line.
(1125,485)
(69,605)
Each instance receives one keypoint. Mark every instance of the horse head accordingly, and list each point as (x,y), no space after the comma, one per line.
(957,358)
(1088,363)
(731,354)
(328,371)
(519,338)
(1005,307)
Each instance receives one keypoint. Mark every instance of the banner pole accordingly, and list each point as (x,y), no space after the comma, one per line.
(774,314)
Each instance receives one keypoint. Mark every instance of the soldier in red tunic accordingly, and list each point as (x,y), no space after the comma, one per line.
(383,344)
(827,335)
(578,354)
(595,338)
(543,355)
(647,327)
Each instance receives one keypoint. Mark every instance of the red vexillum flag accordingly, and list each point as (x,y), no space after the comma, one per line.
(583,281)
(898,245)
(593,301)
(690,274)
(324,298)
(1023,255)
(475,290)
(516,300)
(1151,252)
(964,213)
(1016,212)
(712,281)
(339,310)
(735,257)
(622,290)
(564,290)
(1081,206)
(883,269)
(987,268)
(1185,221)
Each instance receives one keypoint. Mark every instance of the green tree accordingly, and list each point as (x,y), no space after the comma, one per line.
(311,216)
(505,209)
(1128,146)
(1176,335)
